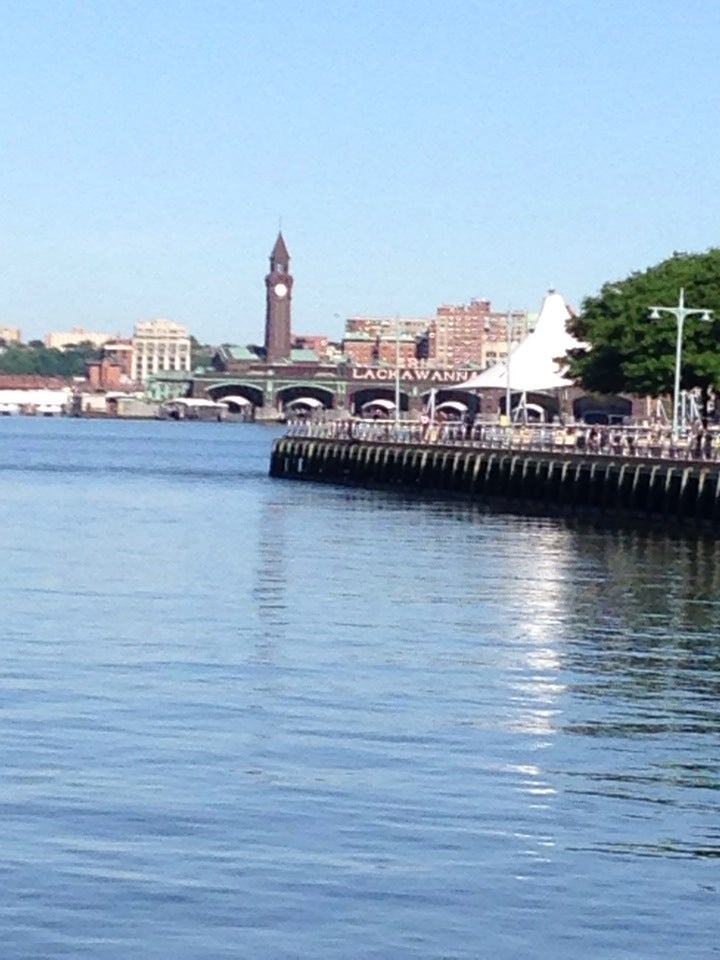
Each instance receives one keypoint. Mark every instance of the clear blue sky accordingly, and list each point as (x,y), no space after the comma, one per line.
(418,152)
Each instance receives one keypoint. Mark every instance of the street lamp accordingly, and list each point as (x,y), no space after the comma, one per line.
(397,371)
(508,351)
(680,312)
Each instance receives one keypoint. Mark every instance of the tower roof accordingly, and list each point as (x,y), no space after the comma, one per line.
(280,251)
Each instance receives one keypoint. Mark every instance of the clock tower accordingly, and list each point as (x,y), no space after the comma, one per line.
(278,285)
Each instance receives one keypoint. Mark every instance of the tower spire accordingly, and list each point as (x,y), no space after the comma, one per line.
(278,286)
(279,253)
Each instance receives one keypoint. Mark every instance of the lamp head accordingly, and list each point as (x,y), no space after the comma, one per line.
(707,316)
(654,314)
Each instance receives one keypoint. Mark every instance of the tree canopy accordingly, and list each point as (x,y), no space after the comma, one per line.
(47,362)
(628,352)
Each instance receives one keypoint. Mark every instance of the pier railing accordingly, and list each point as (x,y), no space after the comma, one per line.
(639,440)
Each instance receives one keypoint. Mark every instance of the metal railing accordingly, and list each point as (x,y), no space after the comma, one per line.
(636,440)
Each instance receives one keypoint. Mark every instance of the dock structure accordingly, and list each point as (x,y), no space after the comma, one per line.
(656,490)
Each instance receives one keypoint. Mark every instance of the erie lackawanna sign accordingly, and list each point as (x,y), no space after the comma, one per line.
(414,374)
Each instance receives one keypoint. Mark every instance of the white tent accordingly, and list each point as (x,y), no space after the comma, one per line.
(36,397)
(193,403)
(312,402)
(237,399)
(532,364)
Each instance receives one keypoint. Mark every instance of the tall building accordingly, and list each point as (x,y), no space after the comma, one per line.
(278,287)
(465,335)
(159,345)
(473,334)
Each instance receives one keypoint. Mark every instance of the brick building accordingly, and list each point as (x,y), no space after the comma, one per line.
(474,334)
(104,375)
(318,343)
(119,352)
(384,340)
(464,335)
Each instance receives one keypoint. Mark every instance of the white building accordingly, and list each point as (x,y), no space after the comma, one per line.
(61,340)
(159,345)
(10,334)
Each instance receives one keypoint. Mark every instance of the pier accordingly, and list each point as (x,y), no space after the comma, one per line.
(539,474)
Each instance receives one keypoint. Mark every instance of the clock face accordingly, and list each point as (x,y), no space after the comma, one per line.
(280,290)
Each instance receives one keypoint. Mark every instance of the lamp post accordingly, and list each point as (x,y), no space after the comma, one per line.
(508,351)
(680,312)
(397,371)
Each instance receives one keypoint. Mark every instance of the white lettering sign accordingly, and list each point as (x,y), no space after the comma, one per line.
(412,374)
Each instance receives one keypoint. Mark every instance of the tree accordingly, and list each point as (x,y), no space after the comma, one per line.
(47,362)
(628,352)
(200,354)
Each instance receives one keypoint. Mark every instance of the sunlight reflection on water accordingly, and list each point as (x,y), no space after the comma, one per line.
(280,718)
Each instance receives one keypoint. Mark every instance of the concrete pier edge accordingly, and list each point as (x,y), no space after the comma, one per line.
(664,493)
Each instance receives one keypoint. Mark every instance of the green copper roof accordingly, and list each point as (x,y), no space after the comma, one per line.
(304,356)
(241,353)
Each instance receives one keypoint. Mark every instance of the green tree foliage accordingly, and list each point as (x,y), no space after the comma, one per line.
(40,361)
(201,354)
(628,352)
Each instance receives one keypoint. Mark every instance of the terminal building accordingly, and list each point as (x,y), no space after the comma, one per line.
(383,365)
(378,366)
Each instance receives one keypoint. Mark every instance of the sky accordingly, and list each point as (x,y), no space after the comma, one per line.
(415,153)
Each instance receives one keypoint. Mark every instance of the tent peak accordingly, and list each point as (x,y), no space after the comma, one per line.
(533,364)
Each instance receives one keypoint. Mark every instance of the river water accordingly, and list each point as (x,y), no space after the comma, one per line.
(243,717)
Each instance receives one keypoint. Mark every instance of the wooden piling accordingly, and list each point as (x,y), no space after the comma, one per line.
(611,486)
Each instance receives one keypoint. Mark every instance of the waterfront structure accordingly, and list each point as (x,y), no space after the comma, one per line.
(285,377)
(33,394)
(618,488)
(304,383)
(388,364)
(158,346)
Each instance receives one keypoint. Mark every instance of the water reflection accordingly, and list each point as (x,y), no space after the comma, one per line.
(637,659)
(644,628)
(270,587)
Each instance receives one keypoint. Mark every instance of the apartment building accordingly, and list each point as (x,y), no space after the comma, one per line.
(474,334)
(459,335)
(159,345)
(61,340)
(10,335)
